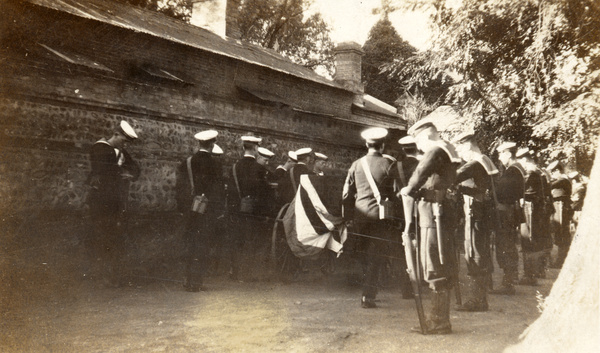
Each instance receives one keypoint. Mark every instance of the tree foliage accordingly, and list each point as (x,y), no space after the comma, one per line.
(281,25)
(522,70)
(383,46)
(179,9)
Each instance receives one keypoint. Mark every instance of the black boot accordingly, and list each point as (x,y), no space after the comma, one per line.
(478,300)
(439,318)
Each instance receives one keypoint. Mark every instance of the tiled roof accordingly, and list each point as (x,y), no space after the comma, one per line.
(159,25)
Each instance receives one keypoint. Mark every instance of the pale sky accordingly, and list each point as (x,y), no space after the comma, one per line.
(351,20)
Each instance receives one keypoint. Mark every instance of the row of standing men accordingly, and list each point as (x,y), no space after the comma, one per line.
(203,199)
(513,202)
(498,207)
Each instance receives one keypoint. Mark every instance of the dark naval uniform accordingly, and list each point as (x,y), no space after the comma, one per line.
(251,188)
(534,231)
(200,228)
(360,205)
(509,191)
(561,219)
(435,173)
(475,180)
(107,200)
(296,171)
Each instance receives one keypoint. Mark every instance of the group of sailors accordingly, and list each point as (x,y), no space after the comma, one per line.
(456,190)
(459,193)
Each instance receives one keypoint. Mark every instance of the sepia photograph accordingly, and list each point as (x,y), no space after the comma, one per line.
(300,176)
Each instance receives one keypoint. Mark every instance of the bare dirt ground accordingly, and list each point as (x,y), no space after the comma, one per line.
(49,305)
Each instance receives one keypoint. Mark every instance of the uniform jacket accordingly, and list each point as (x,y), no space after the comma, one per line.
(106,176)
(208,180)
(436,171)
(252,181)
(298,170)
(561,190)
(510,186)
(358,199)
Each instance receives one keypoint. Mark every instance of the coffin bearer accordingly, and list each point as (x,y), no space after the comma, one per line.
(281,176)
(435,173)
(476,184)
(561,219)
(206,187)
(320,160)
(247,201)
(112,171)
(304,166)
(372,180)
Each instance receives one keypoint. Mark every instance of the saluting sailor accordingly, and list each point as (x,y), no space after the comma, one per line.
(113,169)
(372,183)
(429,183)
(476,184)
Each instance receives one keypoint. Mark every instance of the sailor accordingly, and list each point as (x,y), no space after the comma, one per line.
(561,219)
(534,229)
(207,189)
(429,183)
(247,201)
(371,180)
(509,192)
(476,184)
(320,161)
(305,165)
(409,159)
(113,169)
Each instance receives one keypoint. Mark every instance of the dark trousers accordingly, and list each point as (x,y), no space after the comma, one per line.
(477,238)
(506,244)
(199,230)
(250,240)
(561,229)
(374,252)
(438,275)
(107,242)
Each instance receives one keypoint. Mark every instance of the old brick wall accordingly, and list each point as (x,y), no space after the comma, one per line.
(51,110)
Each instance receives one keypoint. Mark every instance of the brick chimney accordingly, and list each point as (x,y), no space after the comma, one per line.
(347,57)
(232,13)
(218,16)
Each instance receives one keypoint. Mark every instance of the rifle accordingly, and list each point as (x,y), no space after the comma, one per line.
(412,263)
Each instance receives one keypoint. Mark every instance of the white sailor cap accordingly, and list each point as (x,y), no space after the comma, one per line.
(321,156)
(292,155)
(206,135)
(374,134)
(407,141)
(251,139)
(506,146)
(265,152)
(217,150)
(554,165)
(420,126)
(523,152)
(573,175)
(303,151)
(126,130)
(464,137)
